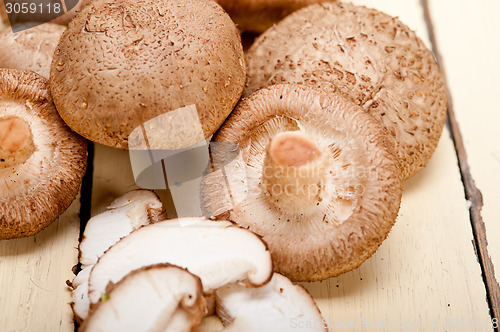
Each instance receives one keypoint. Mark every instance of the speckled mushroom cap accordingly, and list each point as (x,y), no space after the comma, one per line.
(364,55)
(42,161)
(30,49)
(259,15)
(122,63)
(342,159)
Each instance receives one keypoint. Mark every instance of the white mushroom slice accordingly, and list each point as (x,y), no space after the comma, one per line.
(155,298)
(322,183)
(277,306)
(216,251)
(31,48)
(126,214)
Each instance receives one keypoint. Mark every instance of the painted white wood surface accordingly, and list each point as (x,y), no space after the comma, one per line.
(33,274)
(468,36)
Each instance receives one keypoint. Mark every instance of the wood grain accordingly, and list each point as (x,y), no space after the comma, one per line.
(474,114)
(33,274)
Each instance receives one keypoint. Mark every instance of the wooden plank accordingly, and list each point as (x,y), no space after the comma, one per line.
(33,274)
(469,54)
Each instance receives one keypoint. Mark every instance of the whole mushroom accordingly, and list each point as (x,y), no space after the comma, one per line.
(122,63)
(42,162)
(366,56)
(30,49)
(322,184)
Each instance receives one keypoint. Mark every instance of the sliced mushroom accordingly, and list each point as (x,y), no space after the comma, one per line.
(259,15)
(42,162)
(323,186)
(30,49)
(366,56)
(155,298)
(126,214)
(277,306)
(217,252)
(121,64)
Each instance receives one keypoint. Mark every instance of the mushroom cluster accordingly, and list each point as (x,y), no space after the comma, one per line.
(342,103)
(179,270)
(42,162)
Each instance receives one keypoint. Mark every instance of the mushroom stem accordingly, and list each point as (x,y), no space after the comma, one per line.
(294,172)
(16,141)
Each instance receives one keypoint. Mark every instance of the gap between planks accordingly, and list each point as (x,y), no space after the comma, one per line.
(472,193)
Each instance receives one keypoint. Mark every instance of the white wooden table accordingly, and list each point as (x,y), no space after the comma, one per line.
(436,270)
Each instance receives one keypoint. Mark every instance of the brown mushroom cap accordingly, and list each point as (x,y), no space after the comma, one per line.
(120,64)
(40,183)
(356,188)
(259,15)
(363,55)
(30,49)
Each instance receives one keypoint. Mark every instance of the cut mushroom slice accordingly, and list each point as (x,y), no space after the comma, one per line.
(30,49)
(366,56)
(155,298)
(155,57)
(42,162)
(277,306)
(323,186)
(126,214)
(217,252)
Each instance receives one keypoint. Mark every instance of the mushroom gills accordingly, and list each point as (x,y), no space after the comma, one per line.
(365,56)
(29,48)
(216,251)
(155,298)
(277,306)
(124,215)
